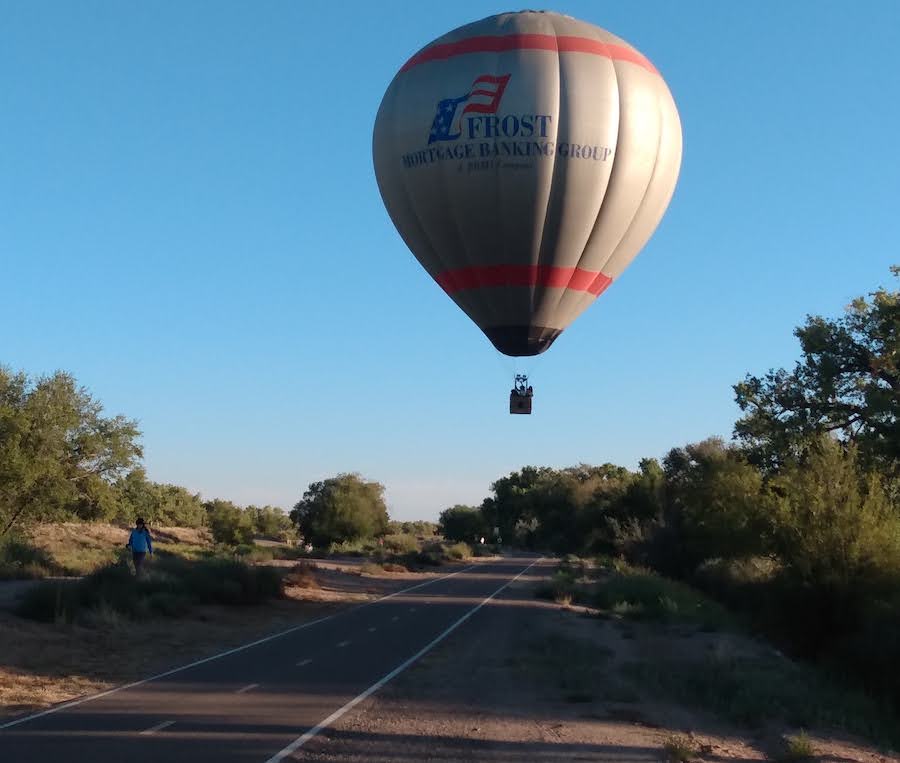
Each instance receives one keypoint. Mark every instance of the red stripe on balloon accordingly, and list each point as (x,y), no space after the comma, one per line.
(523,275)
(503,43)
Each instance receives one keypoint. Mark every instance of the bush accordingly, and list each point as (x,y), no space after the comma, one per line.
(752,691)
(20,559)
(459,551)
(462,523)
(561,588)
(169,588)
(302,575)
(400,544)
(352,548)
(342,508)
(644,595)
(250,553)
(228,523)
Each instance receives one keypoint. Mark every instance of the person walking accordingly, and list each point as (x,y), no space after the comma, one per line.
(140,544)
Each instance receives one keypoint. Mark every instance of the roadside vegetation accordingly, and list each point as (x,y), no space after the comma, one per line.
(794,528)
(790,531)
(171,587)
(682,646)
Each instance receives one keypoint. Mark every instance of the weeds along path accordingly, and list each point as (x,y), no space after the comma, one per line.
(539,680)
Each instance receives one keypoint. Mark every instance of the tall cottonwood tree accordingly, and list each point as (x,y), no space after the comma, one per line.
(59,455)
(848,383)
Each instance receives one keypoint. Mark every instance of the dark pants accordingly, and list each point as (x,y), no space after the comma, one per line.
(138,559)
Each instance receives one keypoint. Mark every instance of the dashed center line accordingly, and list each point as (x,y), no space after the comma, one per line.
(394,619)
(373,629)
(157,727)
(342,644)
(304,662)
(248,687)
(412,609)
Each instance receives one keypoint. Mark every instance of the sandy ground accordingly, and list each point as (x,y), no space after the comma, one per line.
(491,694)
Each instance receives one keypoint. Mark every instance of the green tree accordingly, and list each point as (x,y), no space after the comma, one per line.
(269,520)
(342,508)
(462,523)
(161,504)
(511,505)
(832,522)
(229,523)
(59,455)
(713,499)
(848,383)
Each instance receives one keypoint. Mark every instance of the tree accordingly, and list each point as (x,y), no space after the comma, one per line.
(342,508)
(462,523)
(269,520)
(168,505)
(713,502)
(510,506)
(228,523)
(848,383)
(59,456)
(832,522)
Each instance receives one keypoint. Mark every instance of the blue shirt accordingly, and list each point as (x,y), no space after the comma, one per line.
(140,542)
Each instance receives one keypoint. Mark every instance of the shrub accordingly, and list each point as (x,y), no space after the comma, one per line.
(560,588)
(302,575)
(645,595)
(752,691)
(250,553)
(342,508)
(459,551)
(462,523)
(169,587)
(797,748)
(680,749)
(400,544)
(20,559)
(228,523)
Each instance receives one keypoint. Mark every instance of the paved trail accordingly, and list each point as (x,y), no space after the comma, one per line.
(262,702)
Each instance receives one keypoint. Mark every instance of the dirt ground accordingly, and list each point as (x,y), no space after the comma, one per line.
(41,665)
(516,687)
(497,695)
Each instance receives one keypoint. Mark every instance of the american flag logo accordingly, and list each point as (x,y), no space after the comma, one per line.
(483,98)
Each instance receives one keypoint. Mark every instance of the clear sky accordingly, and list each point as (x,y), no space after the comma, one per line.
(189,223)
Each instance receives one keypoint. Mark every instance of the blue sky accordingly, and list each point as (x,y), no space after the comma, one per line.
(189,223)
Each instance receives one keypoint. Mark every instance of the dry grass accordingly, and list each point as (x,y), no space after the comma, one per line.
(680,748)
(302,575)
(46,664)
(80,548)
(797,748)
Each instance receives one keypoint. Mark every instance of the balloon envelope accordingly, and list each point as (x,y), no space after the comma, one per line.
(525,160)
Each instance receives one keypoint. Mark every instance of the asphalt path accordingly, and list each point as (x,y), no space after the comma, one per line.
(262,702)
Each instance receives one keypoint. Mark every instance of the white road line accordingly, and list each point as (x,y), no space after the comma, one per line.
(412,609)
(342,644)
(220,655)
(246,688)
(316,730)
(157,727)
(373,629)
(394,619)
(304,662)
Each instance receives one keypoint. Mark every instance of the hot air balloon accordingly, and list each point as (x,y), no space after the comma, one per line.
(526,159)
